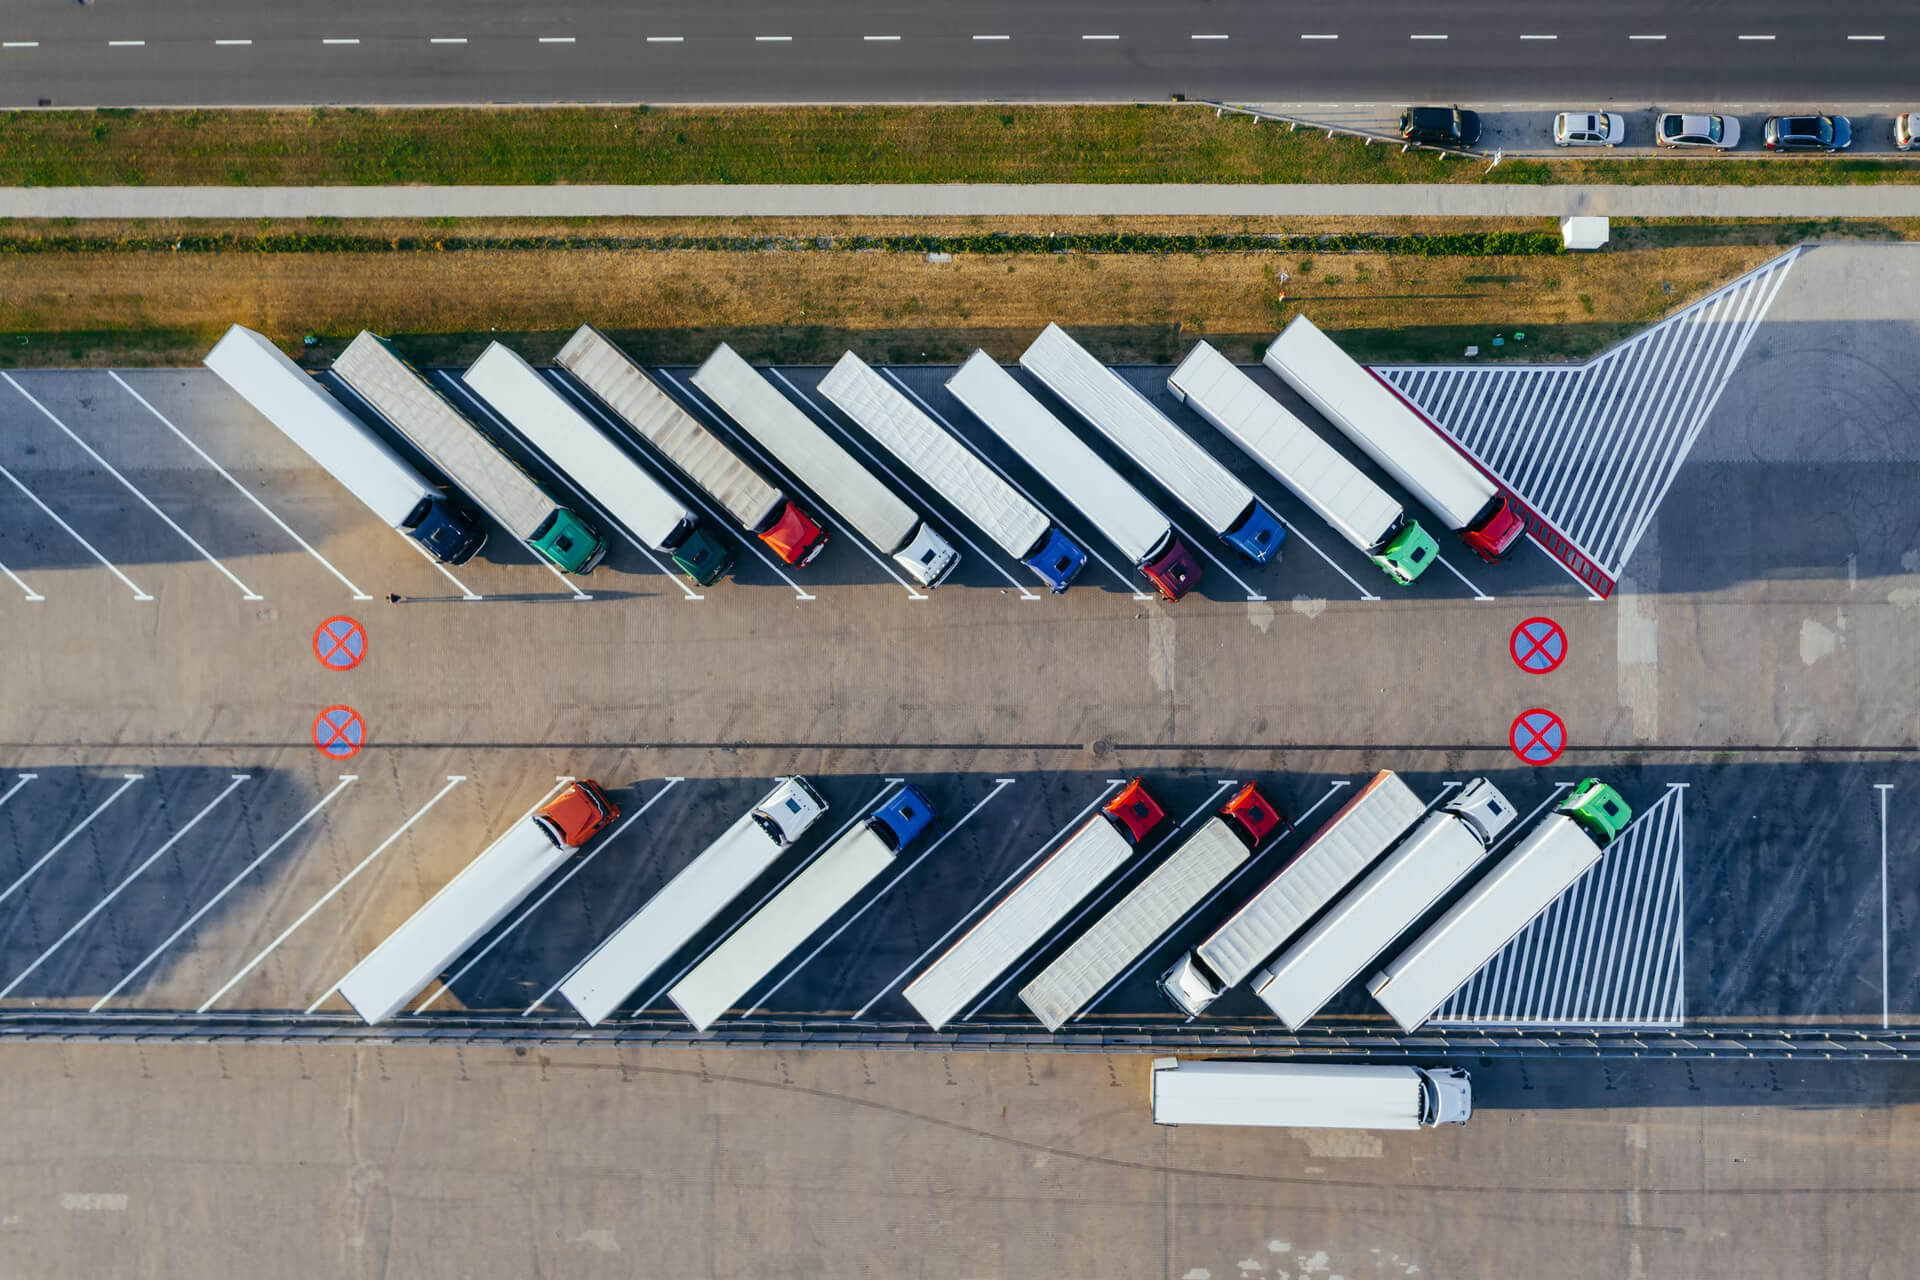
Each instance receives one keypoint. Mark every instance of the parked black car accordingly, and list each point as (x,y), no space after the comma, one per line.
(1440,126)
(1807,133)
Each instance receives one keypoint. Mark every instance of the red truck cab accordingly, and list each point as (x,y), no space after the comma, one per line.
(1135,812)
(795,536)
(1252,818)
(1497,530)
(577,814)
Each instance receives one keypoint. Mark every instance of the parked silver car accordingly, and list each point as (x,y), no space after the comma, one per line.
(1673,129)
(1906,130)
(1589,129)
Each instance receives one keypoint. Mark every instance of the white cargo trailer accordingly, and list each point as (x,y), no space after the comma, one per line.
(1418,873)
(1134,525)
(1391,432)
(548,420)
(716,470)
(473,462)
(1336,855)
(834,475)
(1309,1095)
(1314,471)
(1162,450)
(287,396)
(1020,529)
(1492,913)
(690,901)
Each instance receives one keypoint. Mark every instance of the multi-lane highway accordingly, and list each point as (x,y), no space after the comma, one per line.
(170,52)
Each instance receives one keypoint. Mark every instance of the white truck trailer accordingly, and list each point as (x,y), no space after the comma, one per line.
(474,463)
(287,396)
(1492,913)
(690,901)
(1021,920)
(1062,459)
(1165,452)
(716,470)
(1446,845)
(834,475)
(577,446)
(1309,1095)
(802,907)
(1021,529)
(1336,855)
(1394,434)
(1314,471)
(1175,887)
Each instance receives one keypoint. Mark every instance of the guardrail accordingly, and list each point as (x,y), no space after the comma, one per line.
(1335,130)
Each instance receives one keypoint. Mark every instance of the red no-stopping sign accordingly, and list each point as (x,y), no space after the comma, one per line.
(340,643)
(1538,736)
(1538,645)
(339,732)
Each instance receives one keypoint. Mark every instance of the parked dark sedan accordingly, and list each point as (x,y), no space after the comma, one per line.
(1440,126)
(1807,133)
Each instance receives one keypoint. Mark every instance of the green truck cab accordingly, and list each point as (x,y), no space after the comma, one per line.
(569,542)
(1599,810)
(701,556)
(1407,554)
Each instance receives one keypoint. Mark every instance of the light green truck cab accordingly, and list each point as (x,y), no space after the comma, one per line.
(1408,553)
(1599,810)
(569,542)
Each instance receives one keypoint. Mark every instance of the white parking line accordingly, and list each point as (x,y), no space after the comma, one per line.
(247,593)
(346,779)
(233,42)
(556,39)
(773,39)
(358,594)
(1885,1007)
(665,39)
(1539,37)
(880,39)
(18,783)
(999,785)
(138,594)
(1320,36)
(1208,37)
(1478,594)
(574,870)
(446,40)
(32,595)
(127,780)
(1427,37)
(993,897)
(1099,37)
(1756,37)
(19,44)
(993,37)
(125,44)
(1866,37)
(339,41)
(453,780)
(120,888)
(1646,37)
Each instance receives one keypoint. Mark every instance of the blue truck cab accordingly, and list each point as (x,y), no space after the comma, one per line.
(1058,561)
(900,820)
(1258,535)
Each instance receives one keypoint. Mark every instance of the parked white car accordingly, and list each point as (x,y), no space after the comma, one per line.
(1589,129)
(1675,130)
(1906,130)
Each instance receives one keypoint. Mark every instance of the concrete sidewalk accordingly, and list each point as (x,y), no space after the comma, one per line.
(985,199)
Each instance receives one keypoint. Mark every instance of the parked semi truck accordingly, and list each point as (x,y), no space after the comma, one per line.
(834,475)
(952,470)
(802,907)
(287,396)
(1492,913)
(1397,436)
(1447,844)
(475,900)
(715,469)
(690,901)
(1340,493)
(1309,1095)
(1336,855)
(534,408)
(1021,920)
(1121,936)
(467,455)
(1062,459)
(1172,457)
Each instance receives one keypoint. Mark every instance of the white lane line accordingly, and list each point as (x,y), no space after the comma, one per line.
(447,40)
(607,521)
(1320,36)
(19,44)
(1866,37)
(358,594)
(992,899)
(1756,37)
(18,783)
(126,44)
(344,40)
(993,37)
(773,39)
(880,39)
(1539,37)
(247,593)
(1885,1013)
(1208,37)
(233,42)
(346,780)
(138,594)
(453,780)
(1478,594)
(1092,547)
(666,39)
(1646,37)
(999,785)
(1099,37)
(120,888)
(127,780)
(1293,532)
(32,595)
(572,871)
(1426,37)
(556,39)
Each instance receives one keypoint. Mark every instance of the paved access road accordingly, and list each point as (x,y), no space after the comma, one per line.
(171,52)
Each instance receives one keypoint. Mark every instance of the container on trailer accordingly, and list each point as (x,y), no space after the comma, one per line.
(468,456)
(1019,528)
(1158,447)
(1120,937)
(1336,855)
(1309,1095)
(1021,920)
(1397,436)
(1314,471)
(474,901)
(690,901)
(1447,844)
(1500,904)
(801,908)
(702,457)
(836,477)
(287,396)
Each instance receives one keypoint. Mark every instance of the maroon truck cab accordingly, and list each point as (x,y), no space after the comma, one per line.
(1175,571)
